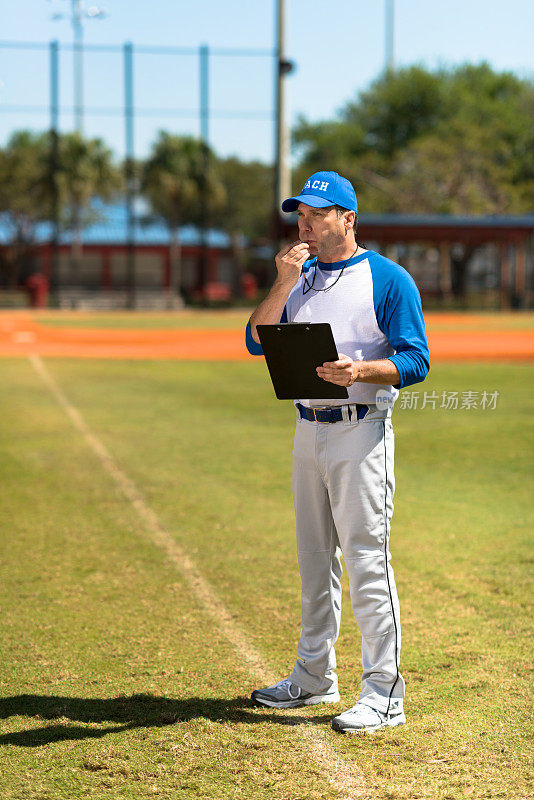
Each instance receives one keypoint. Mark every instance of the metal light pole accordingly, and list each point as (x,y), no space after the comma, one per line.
(204,137)
(129,172)
(77,26)
(282,176)
(54,162)
(390,35)
(77,16)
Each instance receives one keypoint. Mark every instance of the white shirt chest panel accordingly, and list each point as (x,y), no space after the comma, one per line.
(348,307)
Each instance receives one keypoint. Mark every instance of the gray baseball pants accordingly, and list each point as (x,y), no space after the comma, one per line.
(343,485)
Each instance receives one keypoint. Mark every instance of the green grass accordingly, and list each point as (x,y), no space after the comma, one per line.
(483,320)
(237,319)
(116,683)
(193,319)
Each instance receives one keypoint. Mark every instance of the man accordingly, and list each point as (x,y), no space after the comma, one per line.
(343,480)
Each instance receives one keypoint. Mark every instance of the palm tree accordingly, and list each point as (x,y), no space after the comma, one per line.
(23,187)
(178,174)
(85,170)
(24,194)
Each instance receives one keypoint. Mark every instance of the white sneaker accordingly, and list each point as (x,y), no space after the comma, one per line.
(366,719)
(288,695)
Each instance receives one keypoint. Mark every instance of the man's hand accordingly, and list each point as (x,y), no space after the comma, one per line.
(289,261)
(340,372)
(345,371)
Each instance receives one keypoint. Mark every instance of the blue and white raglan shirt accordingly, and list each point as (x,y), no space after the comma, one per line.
(375,312)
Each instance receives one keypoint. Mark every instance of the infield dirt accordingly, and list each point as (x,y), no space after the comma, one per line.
(452,337)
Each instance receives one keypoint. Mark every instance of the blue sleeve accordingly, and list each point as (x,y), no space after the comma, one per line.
(253,347)
(400,318)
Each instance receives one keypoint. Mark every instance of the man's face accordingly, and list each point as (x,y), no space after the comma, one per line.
(321,229)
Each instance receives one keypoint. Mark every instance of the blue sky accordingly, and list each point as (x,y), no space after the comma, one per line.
(338,48)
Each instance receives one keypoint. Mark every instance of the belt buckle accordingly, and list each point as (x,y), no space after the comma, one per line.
(320,421)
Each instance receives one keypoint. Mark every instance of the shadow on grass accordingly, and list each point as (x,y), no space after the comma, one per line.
(128,713)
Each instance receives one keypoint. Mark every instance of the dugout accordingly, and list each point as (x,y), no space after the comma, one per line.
(97,276)
(453,257)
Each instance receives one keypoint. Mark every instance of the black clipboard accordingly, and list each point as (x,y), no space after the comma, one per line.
(293,351)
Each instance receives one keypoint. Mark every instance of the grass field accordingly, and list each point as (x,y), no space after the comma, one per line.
(134,626)
(148,320)
(237,318)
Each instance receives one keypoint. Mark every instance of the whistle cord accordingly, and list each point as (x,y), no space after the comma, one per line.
(309,286)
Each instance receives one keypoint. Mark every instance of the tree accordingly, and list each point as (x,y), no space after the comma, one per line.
(179,172)
(397,108)
(450,141)
(248,208)
(249,197)
(479,160)
(24,193)
(85,170)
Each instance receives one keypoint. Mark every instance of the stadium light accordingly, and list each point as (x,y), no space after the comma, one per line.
(77,15)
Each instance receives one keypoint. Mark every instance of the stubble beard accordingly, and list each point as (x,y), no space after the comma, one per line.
(328,251)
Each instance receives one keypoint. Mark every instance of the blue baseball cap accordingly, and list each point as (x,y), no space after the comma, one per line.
(324,189)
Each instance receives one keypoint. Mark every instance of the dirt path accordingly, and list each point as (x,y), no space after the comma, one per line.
(21,335)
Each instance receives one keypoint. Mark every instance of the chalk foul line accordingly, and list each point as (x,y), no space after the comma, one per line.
(340,775)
